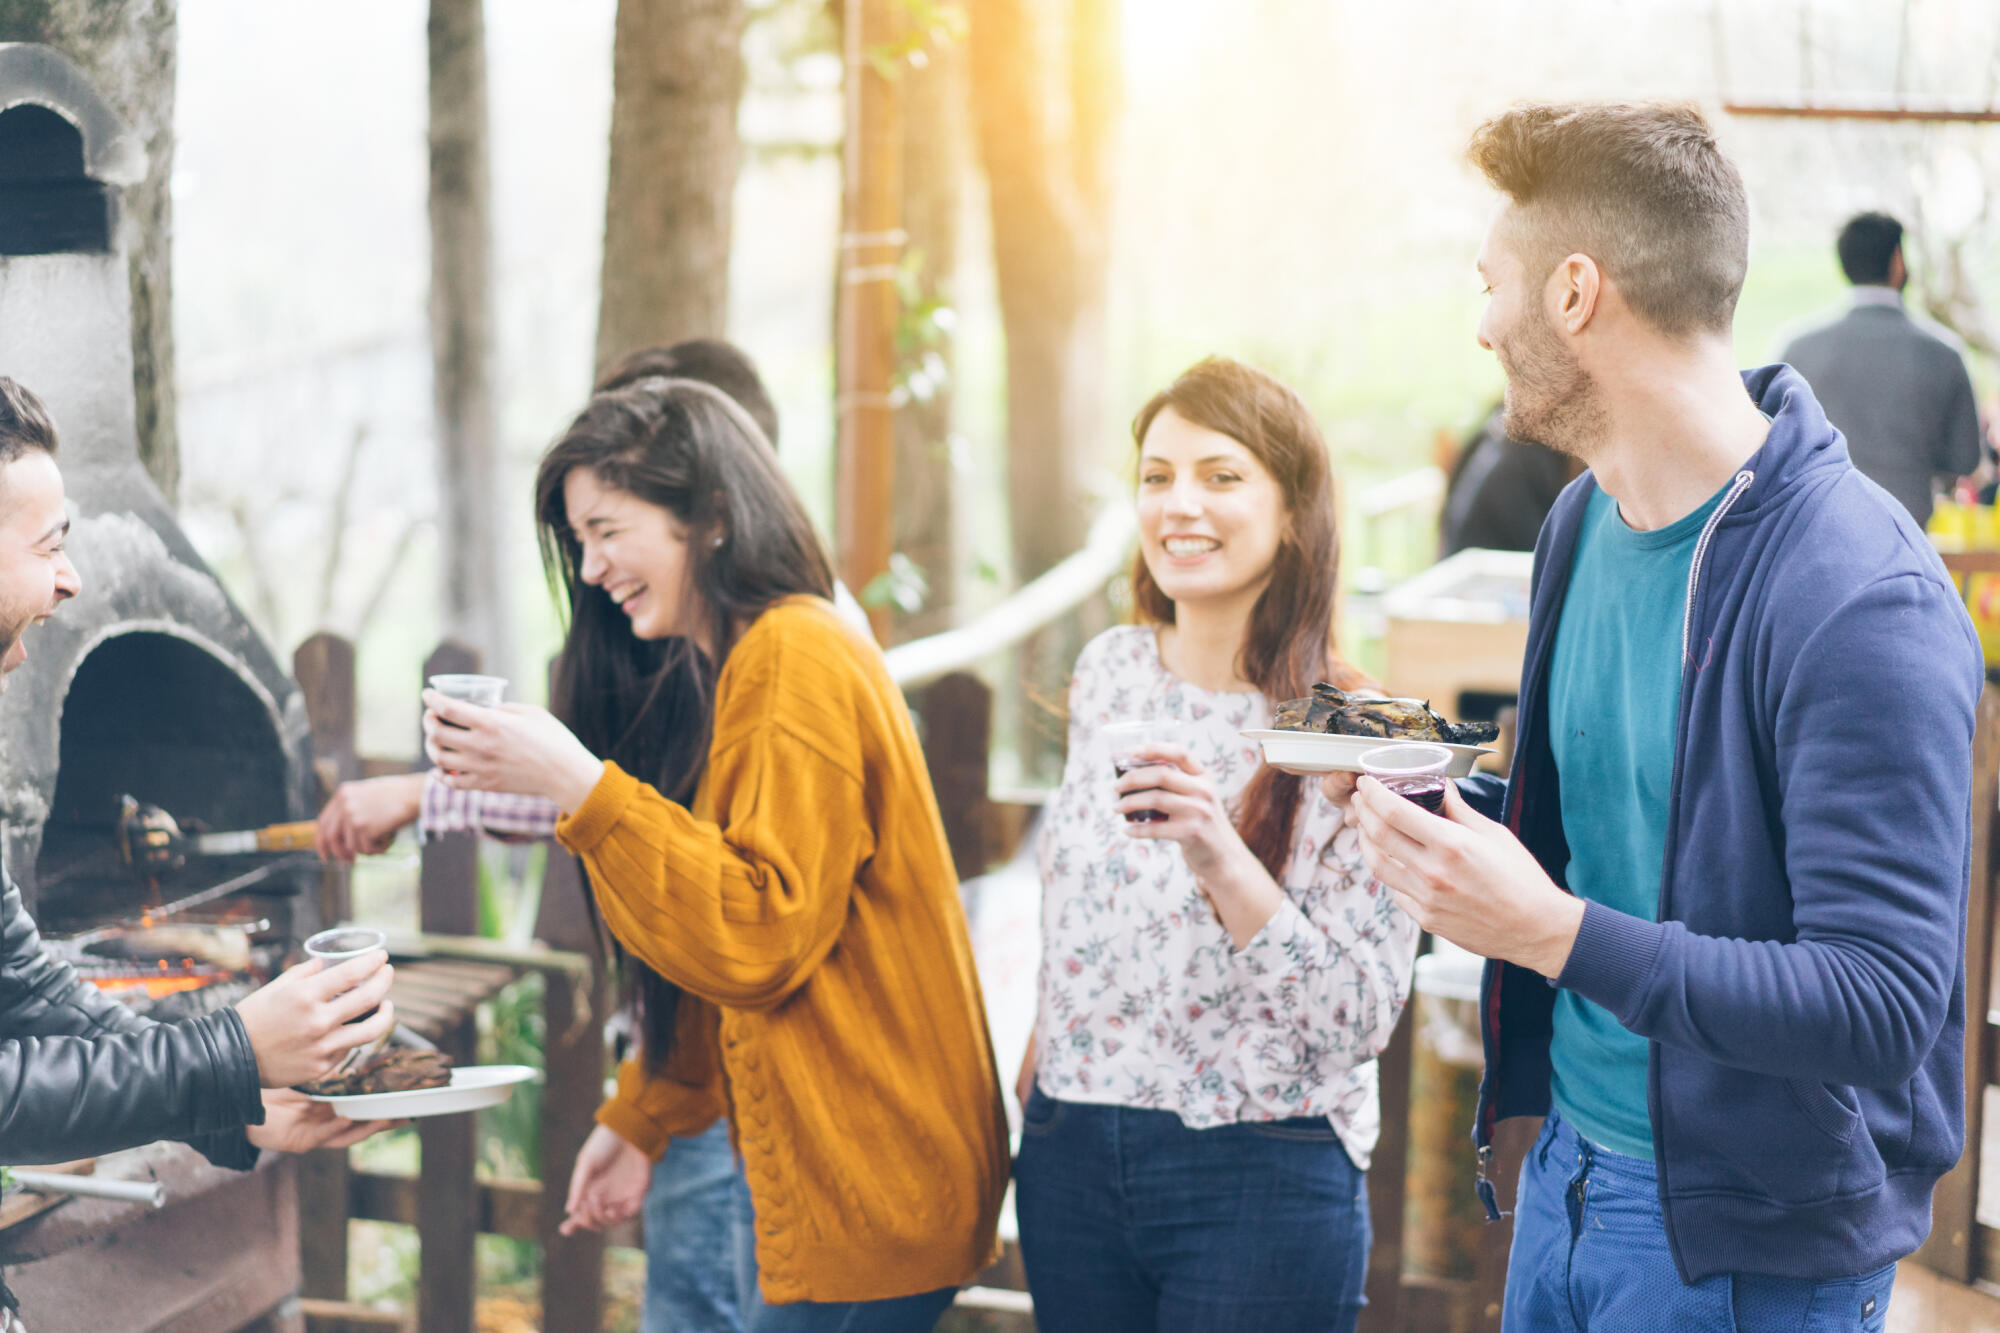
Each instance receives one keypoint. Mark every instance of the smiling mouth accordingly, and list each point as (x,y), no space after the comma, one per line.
(1189,548)
(628,600)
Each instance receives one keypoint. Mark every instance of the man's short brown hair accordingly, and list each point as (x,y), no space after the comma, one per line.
(24,423)
(1643,189)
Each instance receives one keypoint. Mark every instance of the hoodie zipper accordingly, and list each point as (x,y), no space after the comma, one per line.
(1737,487)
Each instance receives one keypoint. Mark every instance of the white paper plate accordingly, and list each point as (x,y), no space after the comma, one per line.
(471,1087)
(1323,752)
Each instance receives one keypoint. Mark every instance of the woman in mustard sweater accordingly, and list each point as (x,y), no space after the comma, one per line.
(770,862)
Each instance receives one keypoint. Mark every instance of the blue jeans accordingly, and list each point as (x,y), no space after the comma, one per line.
(900,1314)
(701,1258)
(1131,1221)
(696,1217)
(1590,1256)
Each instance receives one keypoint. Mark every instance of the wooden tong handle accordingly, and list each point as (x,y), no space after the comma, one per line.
(287,837)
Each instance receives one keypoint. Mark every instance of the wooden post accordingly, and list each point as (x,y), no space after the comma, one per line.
(324,667)
(573,1064)
(870,243)
(957,713)
(447,1206)
(572,1086)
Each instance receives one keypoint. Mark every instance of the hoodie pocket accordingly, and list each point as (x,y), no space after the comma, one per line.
(1791,1142)
(1832,1114)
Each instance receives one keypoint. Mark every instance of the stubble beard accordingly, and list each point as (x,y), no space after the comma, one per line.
(1551,399)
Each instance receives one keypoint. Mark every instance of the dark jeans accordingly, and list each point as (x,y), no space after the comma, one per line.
(1130,1222)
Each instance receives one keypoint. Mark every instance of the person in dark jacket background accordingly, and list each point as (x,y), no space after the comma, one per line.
(1893,384)
(81,1075)
(1724,901)
(1500,491)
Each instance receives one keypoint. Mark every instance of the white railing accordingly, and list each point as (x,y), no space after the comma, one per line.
(1031,608)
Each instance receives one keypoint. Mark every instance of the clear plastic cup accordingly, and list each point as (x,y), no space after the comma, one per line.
(482,691)
(1414,772)
(335,946)
(1129,739)
(485,691)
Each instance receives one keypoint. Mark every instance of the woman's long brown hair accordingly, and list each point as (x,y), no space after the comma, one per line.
(1290,643)
(649,705)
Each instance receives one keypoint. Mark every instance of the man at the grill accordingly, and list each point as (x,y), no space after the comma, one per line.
(81,1075)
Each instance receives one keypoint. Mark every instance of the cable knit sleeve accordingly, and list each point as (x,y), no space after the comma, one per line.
(739,899)
(679,1099)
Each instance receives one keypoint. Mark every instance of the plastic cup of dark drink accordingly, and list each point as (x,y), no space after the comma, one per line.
(484,691)
(1414,772)
(334,947)
(1130,739)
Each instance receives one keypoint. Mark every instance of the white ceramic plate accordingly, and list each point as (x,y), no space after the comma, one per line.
(471,1087)
(1323,752)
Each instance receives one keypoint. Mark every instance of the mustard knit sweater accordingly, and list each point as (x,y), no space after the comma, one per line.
(806,904)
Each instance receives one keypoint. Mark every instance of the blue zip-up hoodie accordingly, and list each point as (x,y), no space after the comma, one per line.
(1804,986)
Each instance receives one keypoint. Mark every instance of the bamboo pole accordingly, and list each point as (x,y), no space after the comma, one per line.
(870,245)
(1918,115)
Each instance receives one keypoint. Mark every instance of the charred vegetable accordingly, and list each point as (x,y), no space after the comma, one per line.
(397,1070)
(1342,714)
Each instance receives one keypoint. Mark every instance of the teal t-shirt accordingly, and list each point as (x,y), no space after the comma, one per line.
(1614,705)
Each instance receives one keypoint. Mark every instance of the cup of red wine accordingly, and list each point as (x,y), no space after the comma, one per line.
(1130,740)
(1414,772)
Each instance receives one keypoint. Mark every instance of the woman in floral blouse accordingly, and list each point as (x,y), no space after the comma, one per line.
(1216,983)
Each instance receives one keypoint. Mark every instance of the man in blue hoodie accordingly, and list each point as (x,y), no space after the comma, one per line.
(1723,888)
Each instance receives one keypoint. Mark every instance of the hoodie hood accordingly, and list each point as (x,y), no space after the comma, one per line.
(1802,442)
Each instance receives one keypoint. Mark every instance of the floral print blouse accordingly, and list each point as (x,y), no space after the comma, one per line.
(1145,1001)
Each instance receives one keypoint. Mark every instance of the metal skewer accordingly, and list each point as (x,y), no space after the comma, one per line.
(149,1192)
(179,905)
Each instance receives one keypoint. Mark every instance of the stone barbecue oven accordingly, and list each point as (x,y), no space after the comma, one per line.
(151,683)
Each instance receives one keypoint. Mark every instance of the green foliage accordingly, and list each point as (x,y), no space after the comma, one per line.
(511,1033)
(929,25)
(925,323)
(902,585)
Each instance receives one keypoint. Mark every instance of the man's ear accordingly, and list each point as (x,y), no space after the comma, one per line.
(1576,285)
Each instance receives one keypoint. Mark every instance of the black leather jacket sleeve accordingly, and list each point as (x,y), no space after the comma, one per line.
(81,1075)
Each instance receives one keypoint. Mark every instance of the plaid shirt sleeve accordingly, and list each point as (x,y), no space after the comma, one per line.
(499,814)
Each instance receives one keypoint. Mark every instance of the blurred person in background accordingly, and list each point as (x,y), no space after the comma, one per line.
(1199,1099)
(700,1277)
(1894,384)
(1500,491)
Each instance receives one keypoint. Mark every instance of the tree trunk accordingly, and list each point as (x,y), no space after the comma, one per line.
(677,76)
(1045,93)
(935,153)
(461,209)
(868,303)
(127,47)
(1043,88)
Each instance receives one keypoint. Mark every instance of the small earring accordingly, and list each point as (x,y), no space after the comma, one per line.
(717,543)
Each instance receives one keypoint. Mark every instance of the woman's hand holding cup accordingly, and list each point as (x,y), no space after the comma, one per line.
(515,748)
